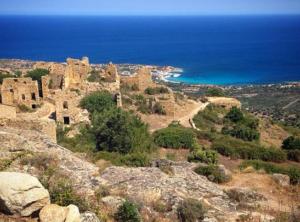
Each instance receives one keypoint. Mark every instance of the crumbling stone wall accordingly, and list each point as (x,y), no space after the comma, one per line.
(67,108)
(20,91)
(142,79)
(76,71)
(47,127)
(8,112)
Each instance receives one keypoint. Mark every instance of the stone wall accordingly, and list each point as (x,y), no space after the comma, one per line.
(142,79)
(8,112)
(67,108)
(48,127)
(76,71)
(20,91)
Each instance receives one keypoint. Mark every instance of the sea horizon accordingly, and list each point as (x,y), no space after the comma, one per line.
(211,49)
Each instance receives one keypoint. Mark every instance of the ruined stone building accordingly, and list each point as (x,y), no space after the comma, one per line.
(142,79)
(20,91)
(76,72)
(67,110)
(110,73)
(73,74)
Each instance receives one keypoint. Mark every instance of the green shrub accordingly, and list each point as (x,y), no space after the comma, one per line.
(94,76)
(213,173)
(291,143)
(175,137)
(209,117)
(98,102)
(135,160)
(156,90)
(62,193)
(116,130)
(235,115)
(215,92)
(294,155)
(236,148)
(292,171)
(204,156)
(158,109)
(24,108)
(242,132)
(190,210)
(127,212)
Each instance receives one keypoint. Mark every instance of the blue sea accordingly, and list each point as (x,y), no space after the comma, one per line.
(210,49)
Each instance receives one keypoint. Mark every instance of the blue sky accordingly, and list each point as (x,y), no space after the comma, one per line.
(149,7)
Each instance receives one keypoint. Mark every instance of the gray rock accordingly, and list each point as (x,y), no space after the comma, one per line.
(281,179)
(89,217)
(21,194)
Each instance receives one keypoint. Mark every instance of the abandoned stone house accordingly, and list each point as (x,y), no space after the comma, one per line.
(67,110)
(63,76)
(20,91)
(142,79)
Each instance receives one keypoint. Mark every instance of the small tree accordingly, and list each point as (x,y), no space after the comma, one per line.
(235,115)
(291,143)
(98,101)
(128,212)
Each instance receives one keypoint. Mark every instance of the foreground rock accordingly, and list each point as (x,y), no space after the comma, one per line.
(82,173)
(151,185)
(21,194)
(55,213)
(281,179)
(89,217)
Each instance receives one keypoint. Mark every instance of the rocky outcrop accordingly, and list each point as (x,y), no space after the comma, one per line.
(150,185)
(53,212)
(84,175)
(89,217)
(21,194)
(281,179)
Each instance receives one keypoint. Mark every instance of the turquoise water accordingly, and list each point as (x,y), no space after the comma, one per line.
(210,49)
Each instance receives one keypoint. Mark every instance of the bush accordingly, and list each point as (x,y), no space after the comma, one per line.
(94,76)
(213,173)
(98,102)
(292,171)
(127,212)
(204,156)
(235,115)
(294,155)
(209,117)
(175,137)
(156,90)
(62,193)
(118,131)
(158,109)
(242,132)
(291,143)
(215,92)
(190,210)
(135,160)
(236,148)
(24,108)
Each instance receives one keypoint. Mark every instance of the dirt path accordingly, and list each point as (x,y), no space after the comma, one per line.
(185,120)
(183,114)
(291,103)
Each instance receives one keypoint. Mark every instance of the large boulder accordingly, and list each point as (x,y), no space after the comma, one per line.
(281,179)
(21,194)
(55,213)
